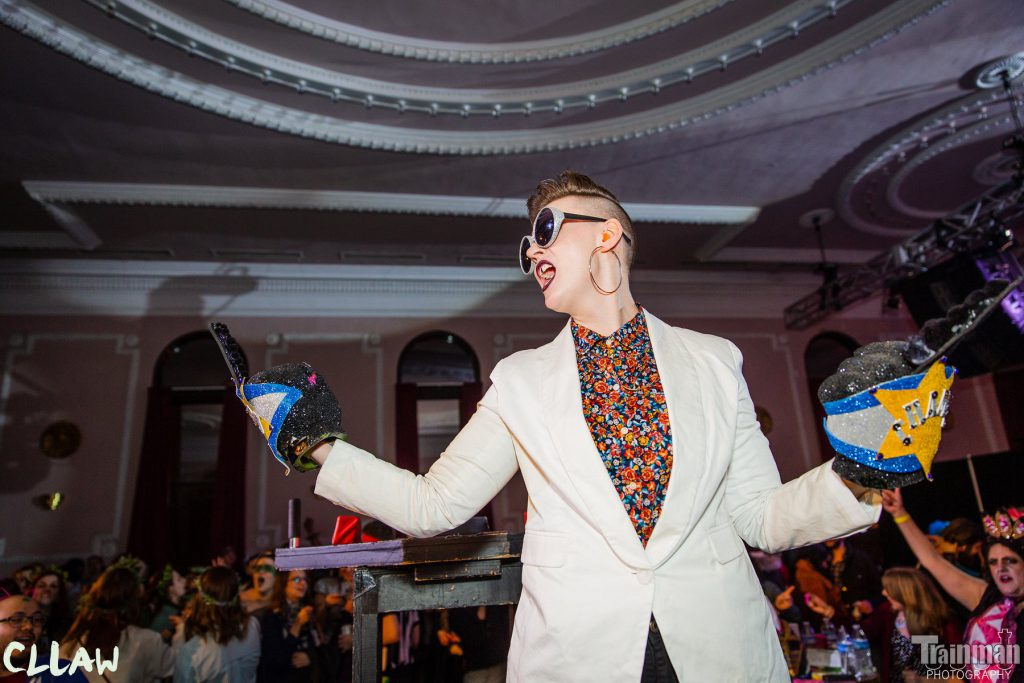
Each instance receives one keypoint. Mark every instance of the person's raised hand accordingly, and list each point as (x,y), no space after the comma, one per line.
(784,600)
(819,605)
(892,502)
(864,607)
(300,660)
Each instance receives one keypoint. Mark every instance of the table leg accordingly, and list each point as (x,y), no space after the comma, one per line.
(365,629)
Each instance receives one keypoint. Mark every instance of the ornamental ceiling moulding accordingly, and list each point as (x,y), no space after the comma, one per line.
(963,122)
(411,47)
(88,49)
(338,200)
(198,41)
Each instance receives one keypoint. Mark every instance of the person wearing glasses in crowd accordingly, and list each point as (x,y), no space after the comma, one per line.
(644,462)
(290,645)
(21,622)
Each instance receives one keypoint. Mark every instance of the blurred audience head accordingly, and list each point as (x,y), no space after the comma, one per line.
(21,621)
(327,592)
(26,577)
(914,593)
(94,566)
(112,604)
(1005,558)
(50,591)
(290,590)
(765,563)
(264,575)
(214,612)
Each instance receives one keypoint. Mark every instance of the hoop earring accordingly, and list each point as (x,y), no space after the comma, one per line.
(590,268)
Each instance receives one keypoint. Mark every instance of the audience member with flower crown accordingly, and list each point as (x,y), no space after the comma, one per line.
(996,601)
(169,600)
(216,640)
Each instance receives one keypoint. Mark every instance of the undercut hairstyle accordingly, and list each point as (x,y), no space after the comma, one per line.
(573,184)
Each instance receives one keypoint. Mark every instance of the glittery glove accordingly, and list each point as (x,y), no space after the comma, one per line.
(291,404)
(886,405)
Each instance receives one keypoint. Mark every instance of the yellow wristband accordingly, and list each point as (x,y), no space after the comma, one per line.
(901,519)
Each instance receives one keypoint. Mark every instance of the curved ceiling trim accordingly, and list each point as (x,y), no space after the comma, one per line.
(410,47)
(198,41)
(960,122)
(89,50)
(147,194)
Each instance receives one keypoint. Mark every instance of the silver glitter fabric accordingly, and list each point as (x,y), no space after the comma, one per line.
(854,382)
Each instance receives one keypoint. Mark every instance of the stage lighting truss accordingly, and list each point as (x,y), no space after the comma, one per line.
(982,227)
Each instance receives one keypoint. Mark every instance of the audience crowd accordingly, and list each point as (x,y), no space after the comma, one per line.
(254,623)
(227,624)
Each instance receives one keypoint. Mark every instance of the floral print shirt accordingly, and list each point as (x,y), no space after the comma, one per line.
(624,405)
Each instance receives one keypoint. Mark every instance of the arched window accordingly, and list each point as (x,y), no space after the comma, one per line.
(822,356)
(438,389)
(189,502)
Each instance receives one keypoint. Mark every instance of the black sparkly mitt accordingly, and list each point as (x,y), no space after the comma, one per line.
(291,404)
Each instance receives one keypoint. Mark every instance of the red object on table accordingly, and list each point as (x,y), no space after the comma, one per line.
(348,529)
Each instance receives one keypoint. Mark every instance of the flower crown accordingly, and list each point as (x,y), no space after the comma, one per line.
(165,579)
(129,562)
(1008,524)
(208,599)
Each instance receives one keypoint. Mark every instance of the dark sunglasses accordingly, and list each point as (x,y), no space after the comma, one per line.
(545,231)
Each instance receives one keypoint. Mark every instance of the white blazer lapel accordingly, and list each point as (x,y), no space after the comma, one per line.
(686,418)
(580,457)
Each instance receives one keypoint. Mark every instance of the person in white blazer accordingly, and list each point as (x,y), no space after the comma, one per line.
(592,591)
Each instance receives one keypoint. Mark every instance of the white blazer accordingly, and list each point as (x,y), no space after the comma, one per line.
(589,585)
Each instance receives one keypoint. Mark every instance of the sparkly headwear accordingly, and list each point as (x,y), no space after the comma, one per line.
(885,406)
(1006,524)
(889,433)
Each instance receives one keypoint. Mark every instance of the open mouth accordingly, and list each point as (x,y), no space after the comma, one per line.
(545,273)
(1004,578)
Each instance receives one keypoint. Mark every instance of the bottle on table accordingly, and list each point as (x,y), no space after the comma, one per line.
(862,654)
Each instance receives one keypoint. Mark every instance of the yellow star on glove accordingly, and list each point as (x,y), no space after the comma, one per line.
(917,416)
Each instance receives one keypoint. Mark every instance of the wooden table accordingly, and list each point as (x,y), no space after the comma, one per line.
(415,574)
